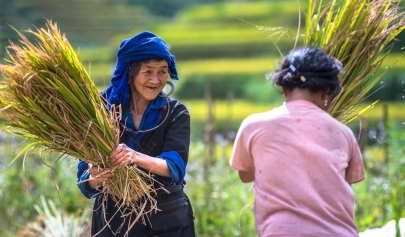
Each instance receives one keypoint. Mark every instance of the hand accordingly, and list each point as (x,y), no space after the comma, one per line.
(98,175)
(122,155)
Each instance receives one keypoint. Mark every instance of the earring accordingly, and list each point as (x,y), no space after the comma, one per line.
(326,103)
(171,89)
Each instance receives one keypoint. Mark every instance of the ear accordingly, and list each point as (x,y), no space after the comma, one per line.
(285,93)
(325,95)
(130,79)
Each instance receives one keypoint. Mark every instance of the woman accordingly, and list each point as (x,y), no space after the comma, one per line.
(156,138)
(302,161)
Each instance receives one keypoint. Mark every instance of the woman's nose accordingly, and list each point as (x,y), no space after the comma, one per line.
(154,78)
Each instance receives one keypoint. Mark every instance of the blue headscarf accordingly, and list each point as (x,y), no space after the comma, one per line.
(142,46)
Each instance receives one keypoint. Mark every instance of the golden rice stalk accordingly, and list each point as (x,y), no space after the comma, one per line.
(360,34)
(48,98)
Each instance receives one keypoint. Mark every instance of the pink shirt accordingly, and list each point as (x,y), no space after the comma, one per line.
(304,161)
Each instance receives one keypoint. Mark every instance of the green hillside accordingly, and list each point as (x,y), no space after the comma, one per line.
(217,44)
(227,45)
(220,45)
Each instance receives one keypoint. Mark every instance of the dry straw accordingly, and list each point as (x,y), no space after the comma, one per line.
(360,34)
(48,98)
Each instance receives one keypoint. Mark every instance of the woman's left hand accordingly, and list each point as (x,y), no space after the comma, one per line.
(122,155)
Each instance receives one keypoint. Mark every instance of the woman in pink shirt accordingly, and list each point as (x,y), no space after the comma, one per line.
(302,161)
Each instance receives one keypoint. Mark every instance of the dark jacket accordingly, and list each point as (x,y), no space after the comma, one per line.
(176,216)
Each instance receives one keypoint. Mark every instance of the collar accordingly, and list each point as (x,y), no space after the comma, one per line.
(301,103)
(158,103)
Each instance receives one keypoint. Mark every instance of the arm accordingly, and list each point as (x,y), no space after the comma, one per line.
(90,177)
(177,142)
(173,154)
(241,158)
(355,169)
(247,176)
(123,155)
(98,176)
(82,176)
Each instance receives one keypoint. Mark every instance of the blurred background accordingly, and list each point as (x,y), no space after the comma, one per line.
(224,49)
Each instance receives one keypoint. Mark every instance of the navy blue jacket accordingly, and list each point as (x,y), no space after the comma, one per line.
(171,137)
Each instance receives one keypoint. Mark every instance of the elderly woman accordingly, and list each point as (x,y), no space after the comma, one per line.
(302,161)
(155,137)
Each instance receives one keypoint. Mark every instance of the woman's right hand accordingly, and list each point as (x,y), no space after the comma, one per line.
(98,175)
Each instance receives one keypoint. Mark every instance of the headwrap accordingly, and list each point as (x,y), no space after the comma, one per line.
(142,46)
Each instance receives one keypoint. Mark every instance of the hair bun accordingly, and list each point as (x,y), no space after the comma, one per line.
(309,67)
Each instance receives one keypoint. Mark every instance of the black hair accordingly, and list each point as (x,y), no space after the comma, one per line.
(133,67)
(309,67)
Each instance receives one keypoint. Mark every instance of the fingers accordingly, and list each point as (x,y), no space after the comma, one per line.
(122,155)
(100,173)
(120,148)
(122,160)
(101,180)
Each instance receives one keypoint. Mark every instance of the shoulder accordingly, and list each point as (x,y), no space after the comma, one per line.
(176,103)
(177,111)
(338,124)
(341,128)
(349,132)
(175,106)
(267,118)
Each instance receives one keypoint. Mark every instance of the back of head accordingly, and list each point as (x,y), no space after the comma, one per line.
(311,68)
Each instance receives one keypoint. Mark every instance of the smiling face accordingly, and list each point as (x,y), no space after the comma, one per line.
(150,80)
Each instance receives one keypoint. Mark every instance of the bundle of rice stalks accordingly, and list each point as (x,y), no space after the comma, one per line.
(360,34)
(48,98)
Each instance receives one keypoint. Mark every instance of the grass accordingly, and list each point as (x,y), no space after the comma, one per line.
(233,10)
(241,109)
(101,71)
(228,66)
(395,111)
(54,222)
(217,33)
(255,65)
(221,24)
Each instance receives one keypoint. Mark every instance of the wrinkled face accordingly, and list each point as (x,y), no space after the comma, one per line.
(150,80)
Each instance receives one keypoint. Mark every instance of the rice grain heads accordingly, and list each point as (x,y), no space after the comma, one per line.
(48,97)
(359,33)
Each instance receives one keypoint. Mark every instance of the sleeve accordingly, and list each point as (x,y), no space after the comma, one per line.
(176,166)
(355,169)
(241,158)
(177,142)
(82,175)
